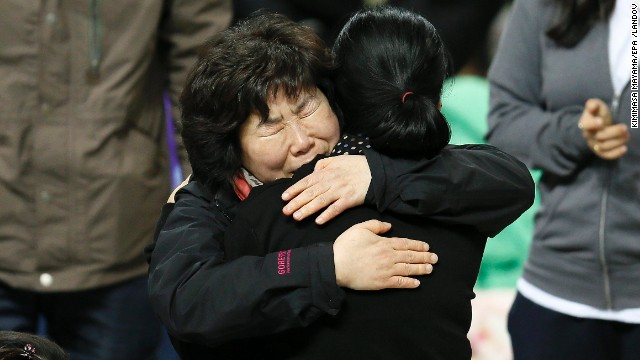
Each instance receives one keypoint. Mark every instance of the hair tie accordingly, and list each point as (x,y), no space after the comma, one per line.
(405,95)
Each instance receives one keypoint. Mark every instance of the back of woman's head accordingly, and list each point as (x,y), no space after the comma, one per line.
(391,64)
(23,346)
(237,72)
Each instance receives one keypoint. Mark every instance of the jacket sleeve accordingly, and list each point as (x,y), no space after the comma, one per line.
(185,26)
(518,120)
(202,298)
(476,185)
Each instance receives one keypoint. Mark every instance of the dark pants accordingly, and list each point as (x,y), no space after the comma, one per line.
(539,333)
(110,323)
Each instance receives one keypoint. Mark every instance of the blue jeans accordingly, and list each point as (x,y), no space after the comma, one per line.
(110,323)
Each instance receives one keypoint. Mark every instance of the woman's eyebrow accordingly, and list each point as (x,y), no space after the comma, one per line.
(305,100)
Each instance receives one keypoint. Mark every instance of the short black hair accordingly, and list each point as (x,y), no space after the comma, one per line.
(382,54)
(236,73)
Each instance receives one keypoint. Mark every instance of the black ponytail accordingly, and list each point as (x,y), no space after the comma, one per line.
(415,128)
(391,64)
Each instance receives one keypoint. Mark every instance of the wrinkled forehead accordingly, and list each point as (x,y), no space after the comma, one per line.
(289,94)
(281,97)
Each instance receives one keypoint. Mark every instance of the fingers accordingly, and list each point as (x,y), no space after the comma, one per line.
(416,257)
(608,143)
(336,199)
(617,131)
(375,226)
(331,212)
(366,261)
(401,282)
(596,115)
(403,269)
(612,154)
(408,244)
(416,263)
(295,190)
(307,203)
(600,109)
(605,146)
(410,263)
(590,123)
(337,184)
(307,182)
(298,195)
(334,202)
(593,106)
(313,198)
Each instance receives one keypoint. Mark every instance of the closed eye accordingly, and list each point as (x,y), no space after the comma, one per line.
(309,107)
(269,129)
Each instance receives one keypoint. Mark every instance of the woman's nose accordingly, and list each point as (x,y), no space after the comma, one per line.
(302,142)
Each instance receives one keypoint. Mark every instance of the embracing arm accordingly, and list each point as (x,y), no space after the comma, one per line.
(476,185)
(202,298)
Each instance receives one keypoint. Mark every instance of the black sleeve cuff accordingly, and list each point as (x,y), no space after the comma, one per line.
(325,292)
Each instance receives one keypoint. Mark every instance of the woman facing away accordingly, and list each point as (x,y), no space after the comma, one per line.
(560,101)
(271,77)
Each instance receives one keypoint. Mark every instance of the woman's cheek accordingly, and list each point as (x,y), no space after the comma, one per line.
(334,132)
(274,154)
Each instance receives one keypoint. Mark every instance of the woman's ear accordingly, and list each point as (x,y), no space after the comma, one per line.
(439,105)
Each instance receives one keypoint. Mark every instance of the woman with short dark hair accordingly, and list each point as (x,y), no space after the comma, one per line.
(233,81)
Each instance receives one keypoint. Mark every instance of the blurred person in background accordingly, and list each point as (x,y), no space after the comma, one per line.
(83,162)
(560,101)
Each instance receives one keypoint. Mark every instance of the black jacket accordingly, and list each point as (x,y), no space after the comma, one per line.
(430,322)
(202,297)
